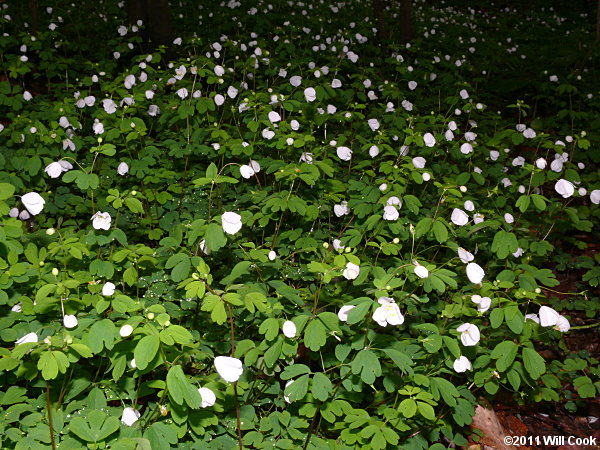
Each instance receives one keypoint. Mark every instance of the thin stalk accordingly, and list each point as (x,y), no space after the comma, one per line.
(50,426)
(235,392)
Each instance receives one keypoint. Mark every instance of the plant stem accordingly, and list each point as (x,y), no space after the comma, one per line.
(237,404)
(50,426)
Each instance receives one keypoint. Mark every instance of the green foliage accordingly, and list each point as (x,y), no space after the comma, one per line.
(220,243)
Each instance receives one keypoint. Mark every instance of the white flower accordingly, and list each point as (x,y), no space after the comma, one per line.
(533,317)
(54,170)
(540,163)
(462,364)
(123,168)
(182,93)
(14,212)
(219,71)
(109,105)
(130,416)
(310,94)
(101,220)
(373,124)
(343,312)
(421,271)
(274,117)
(306,157)
(564,188)
(70,321)
(341,209)
(595,196)
(373,151)
(24,215)
(289,329)
(419,162)
(268,133)
(208,397)
(478,218)
(563,324)
(229,368)
(125,330)
(232,92)
(529,133)
(246,171)
(465,255)
(508,218)
(469,334)
(429,139)
(344,153)
(232,222)
(390,213)
(33,202)
(129,81)
(296,80)
(557,165)
(388,312)
(219,99)
(272,255)
(17,308)
(466,148)
(180,72)
(464,94)
(98,127)
(29,337)
(475,273)
(108,289)
(483,303)
(27,96)
(459,217)
(335,83)
(295,125)
(469,206)
(548,316)
(351,271)
(412,85)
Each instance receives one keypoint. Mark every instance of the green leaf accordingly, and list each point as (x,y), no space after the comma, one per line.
(315,335)
(402,361)
(504,243)
(214,237)
(367,365)
(134,205)
(504,353)
(6,191)
(270,328)
(321,386)
(446,389)
(357,313)
(426,410)
(523,203)
(294,370)
(533,362)
(96,427)
(216,307)
(440,231)
(180,389)
(161,436)
(408,407)
(297,389)
(102,334)
(145,351)
(238,270)
(496,317)
(423,227)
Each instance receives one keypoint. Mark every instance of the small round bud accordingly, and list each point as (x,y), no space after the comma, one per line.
(69,340)
(396,241)
(134,193)
(195,276)
(150,316)
(167,323)
(50,231)
(463,189)
(42,263)
(348,249)
(325,244)
(55,271)
(538,290)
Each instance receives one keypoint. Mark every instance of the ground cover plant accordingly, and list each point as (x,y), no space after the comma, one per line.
(280,232)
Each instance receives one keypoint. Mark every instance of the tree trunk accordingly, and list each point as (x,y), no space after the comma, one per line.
(159,21)
(406,29)
(35,21)
(383,32)
(598,23)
